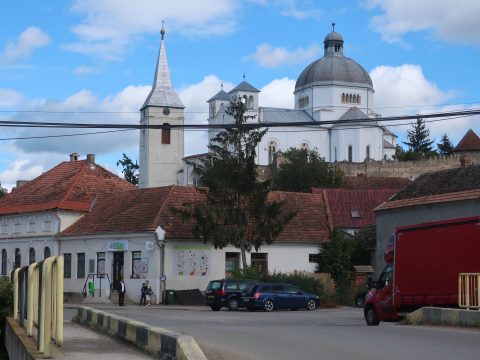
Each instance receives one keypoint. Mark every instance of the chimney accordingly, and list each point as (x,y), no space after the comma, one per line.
(91,161)
(465,161)
(74,156)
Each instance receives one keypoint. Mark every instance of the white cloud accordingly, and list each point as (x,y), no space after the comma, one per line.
(29,40)
(299,10)
(268,56)
(9,97)
(86,70)
(451,20)
(110,26)
(278,93)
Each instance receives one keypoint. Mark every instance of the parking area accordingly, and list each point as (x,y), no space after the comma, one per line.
(338,333)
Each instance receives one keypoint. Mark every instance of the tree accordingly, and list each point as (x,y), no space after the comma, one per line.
(130,169)
(445,147)
(3,191)
(305,169)
(419,139)
(235,210)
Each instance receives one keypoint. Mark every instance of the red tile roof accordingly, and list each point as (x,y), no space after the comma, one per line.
(143,210)
(469,142)
(362,182)
(71,185)
(341,203)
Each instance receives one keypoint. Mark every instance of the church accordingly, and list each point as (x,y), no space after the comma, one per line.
(334,94)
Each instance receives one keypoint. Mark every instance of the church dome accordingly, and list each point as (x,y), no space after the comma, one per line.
(334,68)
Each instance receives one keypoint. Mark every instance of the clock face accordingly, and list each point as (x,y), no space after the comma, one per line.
(166,111)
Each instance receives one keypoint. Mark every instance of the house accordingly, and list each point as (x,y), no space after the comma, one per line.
(468,145)
(103,225)
(434,196)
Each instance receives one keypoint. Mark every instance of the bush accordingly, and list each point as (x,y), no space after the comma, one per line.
(6,307)
(304,281)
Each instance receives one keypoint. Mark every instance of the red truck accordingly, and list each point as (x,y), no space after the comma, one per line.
(423,264)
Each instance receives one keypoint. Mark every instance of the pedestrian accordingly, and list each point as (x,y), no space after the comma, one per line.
(143,293)
(121,292)
(149,294)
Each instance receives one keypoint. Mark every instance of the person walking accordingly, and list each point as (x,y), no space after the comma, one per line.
(143,293)
(121,292)
(149,293)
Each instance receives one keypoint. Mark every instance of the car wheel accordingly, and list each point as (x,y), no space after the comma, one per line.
(215,307)
(233,304)
(311,304)
(268,305)
(360,301)
(371,316)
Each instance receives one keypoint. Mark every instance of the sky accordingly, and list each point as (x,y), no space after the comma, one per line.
(93,61)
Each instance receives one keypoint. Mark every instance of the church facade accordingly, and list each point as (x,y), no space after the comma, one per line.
(333,113)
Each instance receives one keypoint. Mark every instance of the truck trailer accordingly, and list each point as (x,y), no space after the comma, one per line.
(423,263)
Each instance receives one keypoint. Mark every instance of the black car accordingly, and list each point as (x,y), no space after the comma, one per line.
(226,293)
(279,296)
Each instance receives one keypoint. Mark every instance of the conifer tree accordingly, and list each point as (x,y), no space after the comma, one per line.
(445,146)
(235,210)
(419,139)
(130,169)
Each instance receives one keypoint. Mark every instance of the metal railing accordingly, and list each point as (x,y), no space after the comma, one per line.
(89,287)
(469,290)
(38,301)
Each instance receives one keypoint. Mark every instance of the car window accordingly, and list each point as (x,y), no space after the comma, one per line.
(277,288)
(231,285)
(291,289)
(244,285)
(214,285)
(264,289)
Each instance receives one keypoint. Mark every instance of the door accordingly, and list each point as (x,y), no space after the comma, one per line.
(117,268)
(296,297)
(383,295)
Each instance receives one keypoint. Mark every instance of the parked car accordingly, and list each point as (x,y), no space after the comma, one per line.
(279,296)
(227,293)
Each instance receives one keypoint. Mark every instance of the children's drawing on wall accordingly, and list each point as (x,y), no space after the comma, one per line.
(191,260)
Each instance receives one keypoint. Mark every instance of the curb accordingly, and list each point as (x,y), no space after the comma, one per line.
(157,341)
(443,316)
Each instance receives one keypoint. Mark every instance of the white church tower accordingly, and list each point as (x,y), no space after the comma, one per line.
(161,150)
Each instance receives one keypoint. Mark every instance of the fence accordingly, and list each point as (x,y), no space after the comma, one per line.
(38,301)
(469,290)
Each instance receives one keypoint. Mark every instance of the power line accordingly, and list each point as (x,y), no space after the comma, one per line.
(62,135)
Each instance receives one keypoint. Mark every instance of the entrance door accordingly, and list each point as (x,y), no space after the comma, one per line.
(117,271)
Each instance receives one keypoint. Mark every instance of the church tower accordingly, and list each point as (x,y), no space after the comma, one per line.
(161,150)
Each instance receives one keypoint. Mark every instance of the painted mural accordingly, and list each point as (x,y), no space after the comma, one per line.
(191,260)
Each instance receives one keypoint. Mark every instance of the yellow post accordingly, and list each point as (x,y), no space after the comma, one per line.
(47,306)
(31,294)
(15,294)
(59,293)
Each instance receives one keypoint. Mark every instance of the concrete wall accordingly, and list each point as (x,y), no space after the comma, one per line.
(19,346)
(389,219)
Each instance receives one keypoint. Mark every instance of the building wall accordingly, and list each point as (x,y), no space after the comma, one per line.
(359,139)
(210,263)
(389,219)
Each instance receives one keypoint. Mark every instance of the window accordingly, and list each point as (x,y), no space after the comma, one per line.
(250,102)
(18,260)
(46,252)
(47,225)
(272,149)
(304,146)
(343,97)
(232,261)
(136,264)
(291,289)
(313,258)
(350,153)
(67,266)
(4,262)
(166,133)
(386,277)
(358,99)
(91,266)
(335,151)
(355,213)
(80,265)
(31,256)
(4,229)
(259,260)
(303,101)
(368,152)
(101,263)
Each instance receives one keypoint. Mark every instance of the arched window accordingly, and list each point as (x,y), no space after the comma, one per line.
(4,262)
(343,97)
(304,146)
(358,99)
(350,98)
(46,253)
(18,260)
(244,99)
(166,134)
(355,97)
(350,153)
(250,102)
(31,256)
(368,152)
(272,149)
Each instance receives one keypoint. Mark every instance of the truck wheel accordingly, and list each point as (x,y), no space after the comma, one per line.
(233,304)
(371,316)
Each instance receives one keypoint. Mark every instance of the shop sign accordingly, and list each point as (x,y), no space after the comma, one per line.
(116,245)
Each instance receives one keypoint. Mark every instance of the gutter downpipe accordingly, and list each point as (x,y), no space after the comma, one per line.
(160,238)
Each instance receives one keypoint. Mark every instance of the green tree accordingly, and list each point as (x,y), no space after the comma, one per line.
(235,210)
(419,139)
(445,146)
(3,191)
(6,307)
(304,169)
(130,169)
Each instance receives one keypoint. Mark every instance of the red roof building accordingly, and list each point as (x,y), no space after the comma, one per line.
(469,142)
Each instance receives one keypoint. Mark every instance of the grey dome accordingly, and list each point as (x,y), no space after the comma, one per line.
(334,68)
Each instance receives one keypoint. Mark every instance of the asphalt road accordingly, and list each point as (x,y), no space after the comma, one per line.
(336,334)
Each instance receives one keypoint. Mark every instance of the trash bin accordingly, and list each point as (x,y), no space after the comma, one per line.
(170,297)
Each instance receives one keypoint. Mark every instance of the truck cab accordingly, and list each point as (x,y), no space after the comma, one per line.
(379,299)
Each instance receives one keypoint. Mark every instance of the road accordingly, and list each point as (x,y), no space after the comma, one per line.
(336,334)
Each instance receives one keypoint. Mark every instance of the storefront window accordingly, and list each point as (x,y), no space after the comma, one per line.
(136,264)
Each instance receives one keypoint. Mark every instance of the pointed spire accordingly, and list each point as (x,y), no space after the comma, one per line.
(244,75)
(162,93)
(333,27)
(221,85)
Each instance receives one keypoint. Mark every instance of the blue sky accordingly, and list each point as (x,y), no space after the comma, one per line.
(81,60)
